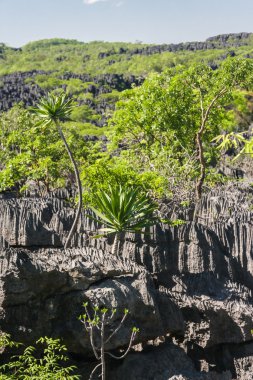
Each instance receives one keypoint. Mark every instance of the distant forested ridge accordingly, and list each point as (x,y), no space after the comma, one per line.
(95,73)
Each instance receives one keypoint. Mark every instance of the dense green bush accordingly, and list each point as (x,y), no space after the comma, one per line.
(168,123)
(46,361)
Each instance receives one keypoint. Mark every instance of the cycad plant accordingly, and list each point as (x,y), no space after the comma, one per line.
(53,109)
(123,209)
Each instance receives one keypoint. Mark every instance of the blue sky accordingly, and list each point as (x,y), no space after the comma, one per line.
(151,21)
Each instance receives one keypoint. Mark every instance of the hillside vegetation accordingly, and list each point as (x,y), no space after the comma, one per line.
(100,57)
(150,139)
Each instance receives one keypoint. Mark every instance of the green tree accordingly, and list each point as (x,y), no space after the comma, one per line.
(52,110)
(123,209)
(176,114)
(29,154)
(215,90)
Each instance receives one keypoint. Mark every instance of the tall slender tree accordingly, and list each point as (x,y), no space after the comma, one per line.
(53,109)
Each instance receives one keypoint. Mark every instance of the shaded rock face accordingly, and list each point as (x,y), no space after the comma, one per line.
(14,90)
(217,42)
(166,362)
(43,292)
(190,285)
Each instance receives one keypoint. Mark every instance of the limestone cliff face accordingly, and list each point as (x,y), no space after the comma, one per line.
(14,90)
(190,285)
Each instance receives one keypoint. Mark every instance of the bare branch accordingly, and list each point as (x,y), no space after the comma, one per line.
(204,120)
(94,370)
(102,351)
(199,142)
(117,329)
(94,348)
(127,350)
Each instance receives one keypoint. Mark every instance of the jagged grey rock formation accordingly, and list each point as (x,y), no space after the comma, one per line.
(42,292)
(166,362)
(190,285)
(14,88)
(217,42)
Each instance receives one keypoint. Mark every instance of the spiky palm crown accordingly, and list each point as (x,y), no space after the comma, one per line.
(54,108)
(124,209)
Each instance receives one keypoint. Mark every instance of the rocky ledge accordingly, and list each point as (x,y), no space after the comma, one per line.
(188,288)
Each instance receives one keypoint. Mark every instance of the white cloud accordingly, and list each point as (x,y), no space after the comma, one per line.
(90,2)
(119,3)
(115,3)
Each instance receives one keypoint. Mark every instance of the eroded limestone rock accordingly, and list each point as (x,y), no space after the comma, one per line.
(191,283)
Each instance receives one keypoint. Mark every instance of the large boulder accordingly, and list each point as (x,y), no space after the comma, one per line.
(165,362)
(42,292)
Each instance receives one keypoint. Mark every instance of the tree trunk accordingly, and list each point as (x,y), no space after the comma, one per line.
(79,186)
(102,351)
(202,164)
(116,244)
(204,119)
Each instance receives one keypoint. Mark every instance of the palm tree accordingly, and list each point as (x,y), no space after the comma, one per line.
(53,109)
(123,209)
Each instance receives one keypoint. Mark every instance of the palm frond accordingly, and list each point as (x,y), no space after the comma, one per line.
(54,108)
(124,209)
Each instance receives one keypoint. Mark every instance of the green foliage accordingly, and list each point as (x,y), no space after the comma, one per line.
(66,55)
(82,113)
(101,170)
(47,82)
(31,152)
(54,108)
(157,123)
(71,55)
(229,140)
(26,154)
(5,341)
(30,365)
(51,81)
(124,209)
(166,109)
(49,43)
(152,133)
(242,145)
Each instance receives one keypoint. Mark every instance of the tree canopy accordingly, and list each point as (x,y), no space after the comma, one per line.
(172,118)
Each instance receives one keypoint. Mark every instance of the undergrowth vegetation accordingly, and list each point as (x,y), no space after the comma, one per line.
(161,137)
(47,360)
